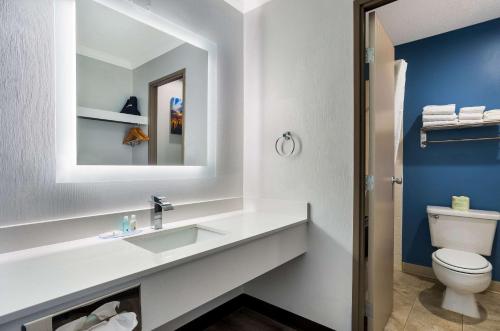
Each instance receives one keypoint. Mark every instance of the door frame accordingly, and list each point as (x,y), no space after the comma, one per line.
(361,7)
(153,112)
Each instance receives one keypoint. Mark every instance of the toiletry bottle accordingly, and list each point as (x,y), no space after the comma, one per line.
(133,223)
(125,224)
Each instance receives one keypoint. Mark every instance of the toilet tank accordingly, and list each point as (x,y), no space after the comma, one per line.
(470,231)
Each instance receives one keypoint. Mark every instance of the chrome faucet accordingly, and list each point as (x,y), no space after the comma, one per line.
(160,204)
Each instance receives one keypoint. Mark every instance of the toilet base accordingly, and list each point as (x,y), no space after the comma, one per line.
(462,303)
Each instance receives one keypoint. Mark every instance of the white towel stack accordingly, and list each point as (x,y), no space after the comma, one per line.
(471,115)
(437,115)
(492,115)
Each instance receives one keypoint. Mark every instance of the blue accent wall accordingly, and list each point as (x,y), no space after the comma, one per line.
(461,67)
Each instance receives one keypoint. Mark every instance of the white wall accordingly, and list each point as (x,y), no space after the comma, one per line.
(28,191)
(298,77)
(101,142)
(169,148)
(102,85)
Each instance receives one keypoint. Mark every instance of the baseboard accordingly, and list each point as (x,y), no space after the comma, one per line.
(244,300)
(418,270)
(427,272)
(494,286)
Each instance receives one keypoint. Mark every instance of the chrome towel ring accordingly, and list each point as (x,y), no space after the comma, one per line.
(280,143)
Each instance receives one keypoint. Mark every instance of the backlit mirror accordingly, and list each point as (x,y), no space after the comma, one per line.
(141,93)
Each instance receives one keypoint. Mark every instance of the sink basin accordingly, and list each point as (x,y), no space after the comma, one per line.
(166,240)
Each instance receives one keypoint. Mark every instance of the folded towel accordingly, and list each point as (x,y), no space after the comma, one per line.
(106,310)
(439,123)
(439,110)
(103,312)
(491,115)
(470,121)
(495,118)
(120,322)
(438,118)
(473,110)
(493,112)
(466,116)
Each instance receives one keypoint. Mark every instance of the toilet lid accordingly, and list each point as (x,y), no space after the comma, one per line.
(468,262)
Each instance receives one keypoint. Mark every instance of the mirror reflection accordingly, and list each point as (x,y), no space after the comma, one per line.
(141,93)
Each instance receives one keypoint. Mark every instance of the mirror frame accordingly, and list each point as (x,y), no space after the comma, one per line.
(67,169)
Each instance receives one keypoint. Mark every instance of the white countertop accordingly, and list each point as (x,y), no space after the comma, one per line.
(46,275)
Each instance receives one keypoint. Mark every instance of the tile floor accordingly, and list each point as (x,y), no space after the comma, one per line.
(417,306)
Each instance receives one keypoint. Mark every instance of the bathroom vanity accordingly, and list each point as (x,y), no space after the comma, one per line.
(179,268)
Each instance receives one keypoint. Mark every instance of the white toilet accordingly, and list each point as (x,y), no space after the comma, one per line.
(462,236)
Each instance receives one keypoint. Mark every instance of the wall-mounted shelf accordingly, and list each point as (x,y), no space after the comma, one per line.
(110,116)
(423,132)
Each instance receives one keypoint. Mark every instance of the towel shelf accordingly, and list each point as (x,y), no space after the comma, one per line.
(423,133)
(110,116)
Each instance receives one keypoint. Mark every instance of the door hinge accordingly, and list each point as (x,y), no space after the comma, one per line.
(369,55)
(369,183)
(423,138)
(368,310)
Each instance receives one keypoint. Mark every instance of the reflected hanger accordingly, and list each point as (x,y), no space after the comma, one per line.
(135,136)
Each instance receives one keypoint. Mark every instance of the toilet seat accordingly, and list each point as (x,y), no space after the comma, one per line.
(460,261)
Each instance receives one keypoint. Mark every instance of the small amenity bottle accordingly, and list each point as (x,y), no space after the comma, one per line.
(125,224)
(133,223)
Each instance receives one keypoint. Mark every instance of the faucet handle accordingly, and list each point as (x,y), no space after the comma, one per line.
(158,199)
(162,202)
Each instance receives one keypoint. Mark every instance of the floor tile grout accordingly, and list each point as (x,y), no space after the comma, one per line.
(409,313)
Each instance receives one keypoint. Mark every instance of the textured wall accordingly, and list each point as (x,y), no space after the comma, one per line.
(462,67)
(28,191)
(298,77)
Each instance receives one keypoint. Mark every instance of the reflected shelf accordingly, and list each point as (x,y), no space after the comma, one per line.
(110,116)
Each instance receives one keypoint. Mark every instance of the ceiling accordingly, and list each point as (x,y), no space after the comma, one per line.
(115,38)
(410,20)
(245,6)
(109,36)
